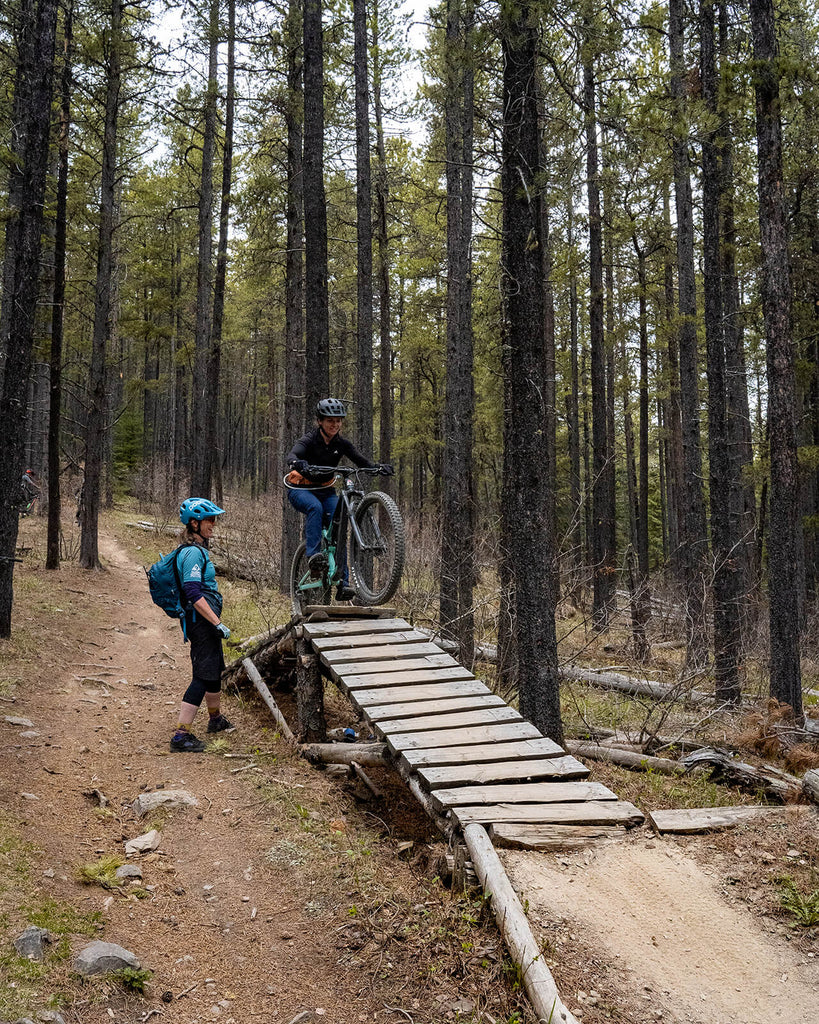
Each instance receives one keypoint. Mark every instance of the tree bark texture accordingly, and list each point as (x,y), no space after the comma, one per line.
(364,234)
(203,409)
(31,110)
(97,422)
(785,567)
(458,508)
(724,490)
(527,494)
(57,311)
(693,546)
(739,416)
(602,556)
(386,411)
(215,347)
(295,414)
(315,212)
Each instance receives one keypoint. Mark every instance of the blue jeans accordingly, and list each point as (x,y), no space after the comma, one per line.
(314,506)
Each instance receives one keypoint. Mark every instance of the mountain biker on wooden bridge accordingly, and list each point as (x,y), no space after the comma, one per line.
(315,497)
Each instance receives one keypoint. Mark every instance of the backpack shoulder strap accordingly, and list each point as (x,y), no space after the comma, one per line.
(176,563)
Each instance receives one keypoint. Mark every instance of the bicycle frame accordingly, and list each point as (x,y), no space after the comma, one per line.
(349,494)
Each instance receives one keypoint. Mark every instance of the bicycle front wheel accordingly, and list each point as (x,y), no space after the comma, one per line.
(376,563)
(303,589)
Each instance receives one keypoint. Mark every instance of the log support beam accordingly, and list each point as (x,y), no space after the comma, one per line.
(309,695)
(514,927)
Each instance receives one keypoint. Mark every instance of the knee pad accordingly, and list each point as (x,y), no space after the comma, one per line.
(195,692)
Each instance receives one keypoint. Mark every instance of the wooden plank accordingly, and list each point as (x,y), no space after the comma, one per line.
(408,664)
(506,771)
(518,750)
(431,678)
(590,812)
(531,793)
(345,627)
(448,722)
(479,734)
(351,643)
(347,611)
(418,694)
(375,652)
(424,708)
(715,819)
(555,838)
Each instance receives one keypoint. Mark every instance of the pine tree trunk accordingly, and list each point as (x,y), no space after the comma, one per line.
(364,235)
(294,367)
(31,111)
(457,511)
(739,416)
(573,422)
(386,412)
(602,557)
(724,490)
(201,462)
(97,422)
(785,567)
(528,486)
(315,211)
(214,368)
(57,311)
(693,546)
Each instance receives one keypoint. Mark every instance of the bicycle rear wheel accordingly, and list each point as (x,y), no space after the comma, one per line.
(377,562)
(303,589)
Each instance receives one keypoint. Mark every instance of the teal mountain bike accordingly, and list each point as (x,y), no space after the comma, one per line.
(366,535)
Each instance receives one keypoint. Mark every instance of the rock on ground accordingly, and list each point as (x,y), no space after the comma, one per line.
(103,958)
(170,798)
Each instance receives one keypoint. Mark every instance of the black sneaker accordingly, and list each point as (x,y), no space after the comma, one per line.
(316,564)
(220,724)
(187,742)
(344,592)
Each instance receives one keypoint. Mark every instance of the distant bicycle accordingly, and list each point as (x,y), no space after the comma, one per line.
(365,534)
(25,506)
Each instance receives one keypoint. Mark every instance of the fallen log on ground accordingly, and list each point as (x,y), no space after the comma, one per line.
(514,928)
(346,753)
(633,687)
(773,781)
(690,821)
(267,697)
(624,758)
(275,651)
(810,785)
(359,773)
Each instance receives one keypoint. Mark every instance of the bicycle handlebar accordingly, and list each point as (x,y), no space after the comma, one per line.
(341,470)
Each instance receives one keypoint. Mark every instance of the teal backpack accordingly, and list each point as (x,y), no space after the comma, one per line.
(165,585)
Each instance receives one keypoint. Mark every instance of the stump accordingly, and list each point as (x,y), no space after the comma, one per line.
(309,695)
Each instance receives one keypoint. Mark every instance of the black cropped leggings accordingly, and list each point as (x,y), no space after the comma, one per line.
(198,688)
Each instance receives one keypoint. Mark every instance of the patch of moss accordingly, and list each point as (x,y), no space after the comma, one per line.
(101,872)
(63,919)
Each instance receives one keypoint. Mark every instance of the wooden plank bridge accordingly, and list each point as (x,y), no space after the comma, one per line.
(475,759)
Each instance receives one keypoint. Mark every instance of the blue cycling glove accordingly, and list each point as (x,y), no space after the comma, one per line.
(223,631)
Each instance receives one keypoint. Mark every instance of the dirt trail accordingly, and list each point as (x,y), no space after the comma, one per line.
(685,949)
(238,936)
(220,918)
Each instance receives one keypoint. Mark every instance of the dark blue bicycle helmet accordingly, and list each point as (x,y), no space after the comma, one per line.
(198,509)
(331,407)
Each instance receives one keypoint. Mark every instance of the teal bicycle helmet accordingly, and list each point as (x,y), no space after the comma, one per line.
(198,509)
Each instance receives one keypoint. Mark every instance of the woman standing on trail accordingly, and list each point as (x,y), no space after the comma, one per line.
(315,497)
(203,624)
